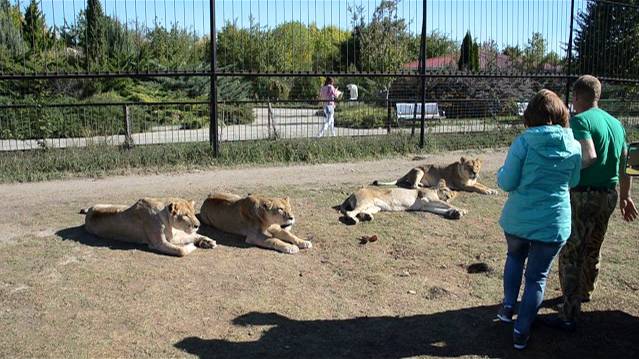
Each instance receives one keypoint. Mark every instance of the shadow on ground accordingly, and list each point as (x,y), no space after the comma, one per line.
(469,331)
(80,235)
(223,238)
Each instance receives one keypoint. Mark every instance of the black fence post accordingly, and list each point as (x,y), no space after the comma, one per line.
(569,63)
(213,133)
(422,74)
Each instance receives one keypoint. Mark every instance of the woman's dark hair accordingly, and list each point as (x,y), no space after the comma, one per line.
(328,81)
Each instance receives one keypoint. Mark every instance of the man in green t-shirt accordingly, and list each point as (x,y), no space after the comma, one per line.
(603,146)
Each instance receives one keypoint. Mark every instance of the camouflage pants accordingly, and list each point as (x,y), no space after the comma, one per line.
(579,258)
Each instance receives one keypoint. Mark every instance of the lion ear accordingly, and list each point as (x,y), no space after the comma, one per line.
(287,199)
(462,159)
(442,183)
(172,208)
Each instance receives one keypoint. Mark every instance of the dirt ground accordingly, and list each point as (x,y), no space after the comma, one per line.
(64,293)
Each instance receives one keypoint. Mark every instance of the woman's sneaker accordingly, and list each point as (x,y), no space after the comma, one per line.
(505,314)
(520,341)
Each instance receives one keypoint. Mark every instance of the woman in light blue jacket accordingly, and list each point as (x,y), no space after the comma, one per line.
(543,163)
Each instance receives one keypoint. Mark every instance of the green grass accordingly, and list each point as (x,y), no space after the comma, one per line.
(95,161)
(47,164)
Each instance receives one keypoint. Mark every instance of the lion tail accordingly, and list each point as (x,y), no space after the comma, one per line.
(380,183)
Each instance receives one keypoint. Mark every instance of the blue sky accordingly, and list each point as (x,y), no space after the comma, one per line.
(509,22)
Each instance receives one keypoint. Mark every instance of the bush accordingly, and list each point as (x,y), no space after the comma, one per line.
(235,114)
(306,88)
(363,116)
(57,122)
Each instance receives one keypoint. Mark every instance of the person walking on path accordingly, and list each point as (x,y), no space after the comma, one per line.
(328,95)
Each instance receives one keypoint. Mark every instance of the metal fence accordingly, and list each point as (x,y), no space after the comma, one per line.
(137,72)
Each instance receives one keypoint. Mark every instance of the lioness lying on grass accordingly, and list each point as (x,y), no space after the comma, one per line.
(265,222)
(460,176)
(167,225)
(361,205)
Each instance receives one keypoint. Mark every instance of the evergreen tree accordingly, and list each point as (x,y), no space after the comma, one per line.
(466,53)
(607,39)
(474,59)
(10,37)
(95,35)
(34,28)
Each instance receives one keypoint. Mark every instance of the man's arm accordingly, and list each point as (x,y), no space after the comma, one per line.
(626,205)
(588,153)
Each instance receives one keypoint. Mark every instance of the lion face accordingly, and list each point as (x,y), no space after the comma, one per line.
(182,216)
(469,169)
(443,192)
(278,211)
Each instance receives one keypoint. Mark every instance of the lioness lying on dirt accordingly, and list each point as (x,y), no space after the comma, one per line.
(361,205)
(167,225)
(460,176)
(265,222)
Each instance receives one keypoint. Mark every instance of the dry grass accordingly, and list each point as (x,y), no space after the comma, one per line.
(408,294)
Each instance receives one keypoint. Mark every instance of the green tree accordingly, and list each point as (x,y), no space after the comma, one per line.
(34,28)
(607,39)
(93,38)
(11,41)
(439,44)
(384,42)
(475,57)
(535,52)
(468,54)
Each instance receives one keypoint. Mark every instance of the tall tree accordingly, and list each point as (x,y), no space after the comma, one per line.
(95,36)
(535,52)
(468,54)
(384,42)
(34,28)
(10,37)
(607,39)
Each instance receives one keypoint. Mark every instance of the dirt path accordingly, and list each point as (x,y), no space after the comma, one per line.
(29,195)
(48,198)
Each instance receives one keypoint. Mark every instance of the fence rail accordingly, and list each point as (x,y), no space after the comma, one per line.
(30,127)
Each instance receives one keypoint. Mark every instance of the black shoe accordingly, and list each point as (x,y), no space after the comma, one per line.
(560,324)
(505,314)
(520,341)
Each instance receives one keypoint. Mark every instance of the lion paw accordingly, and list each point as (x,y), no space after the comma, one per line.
(206,243)
(305,245)
(453,214)
(290,249)
(492,192)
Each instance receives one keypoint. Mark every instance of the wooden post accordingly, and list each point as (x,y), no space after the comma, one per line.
(271,122)
(388,113)
(128,140)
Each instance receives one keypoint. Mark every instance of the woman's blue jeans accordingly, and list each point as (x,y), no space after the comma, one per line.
(540,256)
